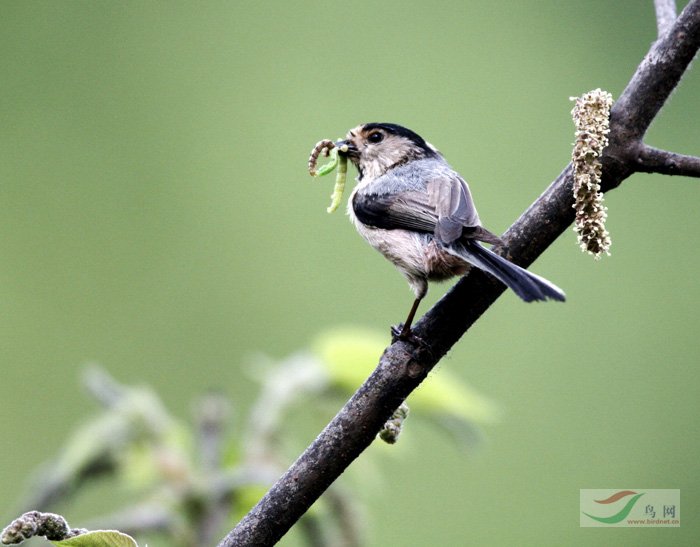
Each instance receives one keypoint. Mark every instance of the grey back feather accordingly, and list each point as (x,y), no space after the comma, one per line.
(432,191)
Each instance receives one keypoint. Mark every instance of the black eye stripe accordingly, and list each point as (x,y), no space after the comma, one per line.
(400,131)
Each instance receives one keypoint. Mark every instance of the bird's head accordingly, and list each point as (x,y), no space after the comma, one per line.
(375,148)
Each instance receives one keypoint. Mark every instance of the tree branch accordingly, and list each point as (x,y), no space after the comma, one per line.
(653,160)
(665,15)
(655,78)
(403,365)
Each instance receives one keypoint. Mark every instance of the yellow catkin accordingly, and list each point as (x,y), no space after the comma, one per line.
(591,116)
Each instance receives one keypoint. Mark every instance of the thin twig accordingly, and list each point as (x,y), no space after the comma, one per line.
(404,365)
(212,414)
(141,518)
(653,160)
(665,15)
(345,513)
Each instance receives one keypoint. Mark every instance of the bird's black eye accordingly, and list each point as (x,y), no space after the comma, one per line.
(375,137)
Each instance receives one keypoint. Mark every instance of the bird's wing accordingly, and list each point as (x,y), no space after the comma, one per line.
(409,210)
(444,207)
(450,198)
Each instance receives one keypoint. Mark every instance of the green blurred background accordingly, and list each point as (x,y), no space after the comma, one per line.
(156,217)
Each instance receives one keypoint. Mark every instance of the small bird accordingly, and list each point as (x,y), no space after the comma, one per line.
(417,211)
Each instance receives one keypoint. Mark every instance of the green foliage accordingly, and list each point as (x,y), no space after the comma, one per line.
(178,481)
(349,354)
(99,538)
(180,474)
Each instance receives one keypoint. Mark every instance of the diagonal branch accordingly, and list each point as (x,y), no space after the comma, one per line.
(656,77)
(403,366)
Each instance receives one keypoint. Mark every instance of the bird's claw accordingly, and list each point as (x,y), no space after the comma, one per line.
(398,333)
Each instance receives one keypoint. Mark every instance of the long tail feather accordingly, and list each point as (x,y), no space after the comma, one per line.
(526,285)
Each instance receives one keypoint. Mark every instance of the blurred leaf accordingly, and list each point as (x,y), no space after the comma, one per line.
(99,538)
(351,353)
(139,469)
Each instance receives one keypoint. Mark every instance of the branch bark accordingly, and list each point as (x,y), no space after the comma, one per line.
(403,366)
(653,160)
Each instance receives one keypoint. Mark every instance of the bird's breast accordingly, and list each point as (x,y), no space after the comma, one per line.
(417,254)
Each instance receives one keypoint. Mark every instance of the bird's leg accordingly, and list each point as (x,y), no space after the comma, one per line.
(405,332)
(409,320)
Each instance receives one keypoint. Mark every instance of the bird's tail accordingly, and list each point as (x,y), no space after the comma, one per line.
(526,285)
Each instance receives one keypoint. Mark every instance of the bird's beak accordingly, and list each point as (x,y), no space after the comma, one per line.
(347,148)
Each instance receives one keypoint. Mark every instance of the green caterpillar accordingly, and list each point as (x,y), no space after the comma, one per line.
(328,148)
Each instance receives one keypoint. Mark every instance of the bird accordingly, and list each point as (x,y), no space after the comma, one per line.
(418,212)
